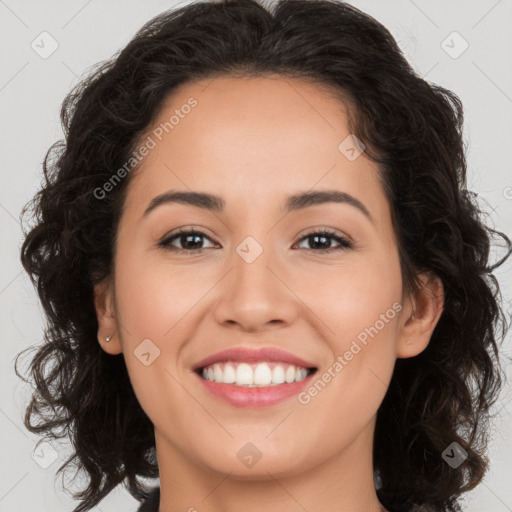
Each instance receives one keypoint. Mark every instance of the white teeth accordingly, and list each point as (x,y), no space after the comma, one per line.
(243,374)
(217,372)
(290,374)
(262,375)
(278,374)
(229,375)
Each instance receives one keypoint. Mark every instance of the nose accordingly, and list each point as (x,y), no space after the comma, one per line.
(256,295)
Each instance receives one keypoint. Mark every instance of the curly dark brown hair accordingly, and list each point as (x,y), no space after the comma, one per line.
(411,128)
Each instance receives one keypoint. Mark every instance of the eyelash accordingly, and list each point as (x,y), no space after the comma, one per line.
(343,241)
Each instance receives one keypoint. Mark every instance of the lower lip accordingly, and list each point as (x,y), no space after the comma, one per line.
(241,396)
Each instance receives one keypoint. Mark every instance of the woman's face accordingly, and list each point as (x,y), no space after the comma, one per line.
(259,281)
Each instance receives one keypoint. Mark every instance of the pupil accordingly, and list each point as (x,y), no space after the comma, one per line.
(316,237)
(186,237)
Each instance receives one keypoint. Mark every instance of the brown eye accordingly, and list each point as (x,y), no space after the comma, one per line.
(190,240)
(322,240)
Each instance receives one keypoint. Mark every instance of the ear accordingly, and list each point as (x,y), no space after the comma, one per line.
(420,316)
(105,313)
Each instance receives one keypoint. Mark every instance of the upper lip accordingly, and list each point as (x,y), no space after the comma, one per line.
(250,355)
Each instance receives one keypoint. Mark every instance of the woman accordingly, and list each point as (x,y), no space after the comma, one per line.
(265,279)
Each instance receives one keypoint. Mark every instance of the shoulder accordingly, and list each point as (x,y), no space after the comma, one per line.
(151,503)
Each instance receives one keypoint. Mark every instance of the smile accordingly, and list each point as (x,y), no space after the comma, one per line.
(244,393)
(254,375)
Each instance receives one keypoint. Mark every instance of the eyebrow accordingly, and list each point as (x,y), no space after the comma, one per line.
(295,202)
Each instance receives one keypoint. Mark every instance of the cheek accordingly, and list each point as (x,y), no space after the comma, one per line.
(354,296)
(360,307)
(154,294)
(157,306)
(346,394)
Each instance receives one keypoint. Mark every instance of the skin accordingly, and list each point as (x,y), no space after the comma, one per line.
(254,141)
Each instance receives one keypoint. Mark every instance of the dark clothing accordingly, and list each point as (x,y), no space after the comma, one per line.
(391,502)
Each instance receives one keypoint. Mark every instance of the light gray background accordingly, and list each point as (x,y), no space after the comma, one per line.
(32,89)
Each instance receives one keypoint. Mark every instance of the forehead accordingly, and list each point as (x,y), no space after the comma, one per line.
(266,137)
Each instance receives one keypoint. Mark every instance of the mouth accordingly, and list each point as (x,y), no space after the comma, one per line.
(253,385)
(254,375)
(249,377)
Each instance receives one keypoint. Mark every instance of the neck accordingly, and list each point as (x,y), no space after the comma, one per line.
(343,482)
